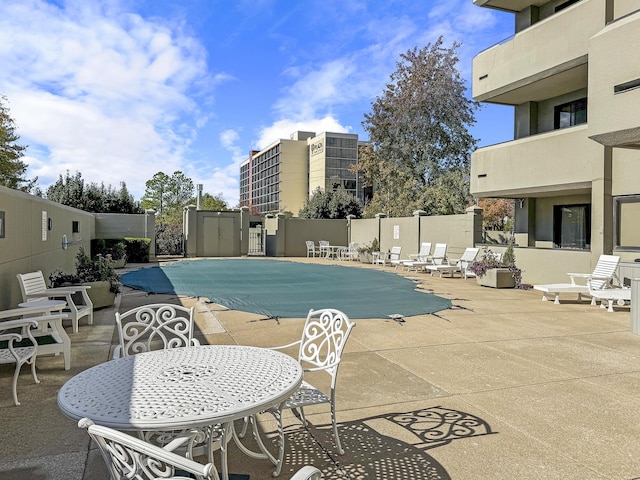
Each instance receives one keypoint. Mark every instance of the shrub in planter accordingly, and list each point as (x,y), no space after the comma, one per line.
(113,248)
(88,270)
(366,250)
(490,261)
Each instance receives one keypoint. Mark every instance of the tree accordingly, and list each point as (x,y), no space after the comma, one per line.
(213,203)
(331,204)
(71,190)
(420,143)
(168,195)
(12,169)
(494,210)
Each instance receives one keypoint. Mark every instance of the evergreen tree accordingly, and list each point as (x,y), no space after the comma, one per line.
(12,169)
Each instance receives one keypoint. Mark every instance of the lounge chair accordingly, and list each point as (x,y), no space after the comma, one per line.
(610,295)
(394,257)
(455,266)
(422,255)
(34,289)
(600,279)
(438,257)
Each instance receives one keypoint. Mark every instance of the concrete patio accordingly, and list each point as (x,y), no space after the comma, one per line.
(501,386)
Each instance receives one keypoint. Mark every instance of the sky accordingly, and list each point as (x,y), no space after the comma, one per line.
(119,90)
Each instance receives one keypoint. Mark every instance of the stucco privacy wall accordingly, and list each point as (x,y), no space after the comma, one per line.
(117,225)
(286,236)
(33,239)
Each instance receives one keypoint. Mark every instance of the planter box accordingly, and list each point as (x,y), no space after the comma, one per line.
(120,263)
(497,278)
(100,294)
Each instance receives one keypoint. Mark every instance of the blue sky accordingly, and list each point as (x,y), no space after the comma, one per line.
(121,89)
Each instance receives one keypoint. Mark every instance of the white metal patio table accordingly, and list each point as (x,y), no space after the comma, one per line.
(182,388)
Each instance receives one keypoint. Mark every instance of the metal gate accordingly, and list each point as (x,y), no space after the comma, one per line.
(256,240)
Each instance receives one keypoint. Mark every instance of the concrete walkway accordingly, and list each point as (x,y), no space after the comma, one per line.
(502,386)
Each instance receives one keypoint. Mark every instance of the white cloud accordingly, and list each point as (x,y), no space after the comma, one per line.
(100,92)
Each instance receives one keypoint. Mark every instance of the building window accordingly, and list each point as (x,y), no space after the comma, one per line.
(570,114)
(572,226)
(75,226)
(626,225)
(2,234)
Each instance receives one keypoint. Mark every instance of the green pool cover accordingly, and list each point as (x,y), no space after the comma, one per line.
(288,289)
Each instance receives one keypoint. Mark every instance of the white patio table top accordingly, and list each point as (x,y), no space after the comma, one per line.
(181,387)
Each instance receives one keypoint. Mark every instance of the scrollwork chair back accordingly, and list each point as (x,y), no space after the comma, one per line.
(154,327)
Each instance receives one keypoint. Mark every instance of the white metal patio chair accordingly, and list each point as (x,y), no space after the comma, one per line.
(34,289)
(312,251)
(323,248)
(17,345)
(600,279)
(323,340)
(350,252)
(154,327)
(130,457)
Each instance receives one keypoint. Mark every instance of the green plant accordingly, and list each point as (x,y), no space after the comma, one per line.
(88,270)
(374,246)
(489,260)
(116,247)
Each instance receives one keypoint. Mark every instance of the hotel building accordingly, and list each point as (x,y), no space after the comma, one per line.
(572,75)
(283,175)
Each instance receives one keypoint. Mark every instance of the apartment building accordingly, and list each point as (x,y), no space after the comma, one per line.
(572,74)
(283,175)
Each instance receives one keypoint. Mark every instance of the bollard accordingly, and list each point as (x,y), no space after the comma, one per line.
(635,306)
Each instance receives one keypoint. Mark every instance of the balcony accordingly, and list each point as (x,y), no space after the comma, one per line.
(559,162)
(614,83)
(546,60)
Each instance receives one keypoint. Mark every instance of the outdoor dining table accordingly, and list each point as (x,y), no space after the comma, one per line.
(332,251)
(182,388)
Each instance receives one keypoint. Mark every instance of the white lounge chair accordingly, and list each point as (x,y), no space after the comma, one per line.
(34,289)
(458,266)
(394,256)
(421,256)
(600,279)
(438,257)
(609,295)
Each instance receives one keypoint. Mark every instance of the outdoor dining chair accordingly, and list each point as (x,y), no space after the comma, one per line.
(154,327)
(323,340)
(129,457)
